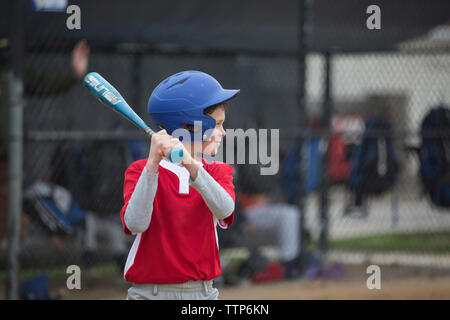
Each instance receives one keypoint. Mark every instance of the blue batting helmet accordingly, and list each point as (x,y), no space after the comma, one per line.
(181,98)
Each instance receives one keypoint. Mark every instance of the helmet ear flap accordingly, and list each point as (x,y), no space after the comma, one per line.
(208,125)
(207,134)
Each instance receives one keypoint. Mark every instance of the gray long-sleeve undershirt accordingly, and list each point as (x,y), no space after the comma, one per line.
(140,207)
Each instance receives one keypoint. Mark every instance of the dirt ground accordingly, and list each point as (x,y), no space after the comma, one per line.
(396,283)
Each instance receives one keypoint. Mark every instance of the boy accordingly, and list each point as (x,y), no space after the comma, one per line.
(174,209)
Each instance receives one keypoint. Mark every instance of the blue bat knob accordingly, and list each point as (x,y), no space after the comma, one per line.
(176,155)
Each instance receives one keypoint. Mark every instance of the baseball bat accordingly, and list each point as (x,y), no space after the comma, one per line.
(111,98)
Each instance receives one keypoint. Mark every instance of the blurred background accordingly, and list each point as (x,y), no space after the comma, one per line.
(360,97)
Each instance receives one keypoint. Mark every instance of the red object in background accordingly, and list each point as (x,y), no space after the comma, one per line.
(347,131)
(272,272)
(339,165)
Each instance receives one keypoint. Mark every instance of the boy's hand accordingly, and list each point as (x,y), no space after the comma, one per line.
(158,144)
(161,145)
(80,58)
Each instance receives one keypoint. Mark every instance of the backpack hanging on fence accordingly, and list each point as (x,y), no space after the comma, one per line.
(434,155)
(290,170)
(374,163)
(339,165)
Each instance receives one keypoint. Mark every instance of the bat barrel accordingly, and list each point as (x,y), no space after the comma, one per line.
(110,97)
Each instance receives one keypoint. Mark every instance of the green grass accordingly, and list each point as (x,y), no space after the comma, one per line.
(435,242)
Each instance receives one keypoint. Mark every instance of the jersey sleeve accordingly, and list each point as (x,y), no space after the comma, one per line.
(132,175)
(223,174)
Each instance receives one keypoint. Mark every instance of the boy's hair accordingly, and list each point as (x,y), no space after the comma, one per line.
(213,108)
(207,111)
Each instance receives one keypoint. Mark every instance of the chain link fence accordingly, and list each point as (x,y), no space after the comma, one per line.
(367,165)
(401,88)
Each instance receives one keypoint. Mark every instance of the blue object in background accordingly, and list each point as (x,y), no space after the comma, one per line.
(66,221)
(35,288)
(138,148)
(49,5)
(313,175)
(291,166)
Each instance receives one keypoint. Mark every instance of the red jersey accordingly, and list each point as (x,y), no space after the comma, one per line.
(181,241)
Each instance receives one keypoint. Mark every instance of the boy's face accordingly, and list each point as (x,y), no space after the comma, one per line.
(211,146)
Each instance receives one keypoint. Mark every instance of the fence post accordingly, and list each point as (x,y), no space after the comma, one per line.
(15,83)
(326,121)
(304,35)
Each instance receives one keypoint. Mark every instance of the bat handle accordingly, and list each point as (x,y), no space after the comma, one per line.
(175,155)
